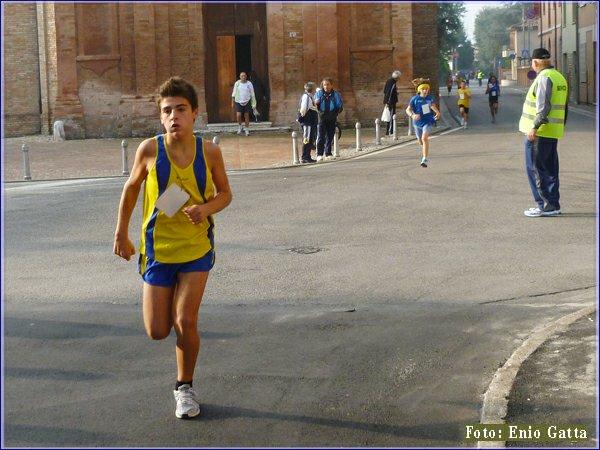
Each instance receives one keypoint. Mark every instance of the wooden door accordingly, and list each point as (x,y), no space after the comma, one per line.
(226,76)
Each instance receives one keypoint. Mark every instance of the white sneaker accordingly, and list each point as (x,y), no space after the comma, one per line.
(239,131)
(537,212)
(462,121)
(319,158)
(424,162)
(247,131)
(187,405)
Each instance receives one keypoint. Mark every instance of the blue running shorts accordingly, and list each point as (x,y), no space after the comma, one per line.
(165,274)
(420,130)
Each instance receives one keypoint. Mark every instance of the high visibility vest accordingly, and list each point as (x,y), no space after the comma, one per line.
(555,128)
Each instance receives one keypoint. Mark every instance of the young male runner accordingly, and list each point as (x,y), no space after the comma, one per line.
(464,101)
(176,250)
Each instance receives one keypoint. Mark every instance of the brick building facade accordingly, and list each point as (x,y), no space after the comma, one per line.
(96,66)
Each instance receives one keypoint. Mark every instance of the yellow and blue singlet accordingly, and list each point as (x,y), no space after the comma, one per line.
(176,239)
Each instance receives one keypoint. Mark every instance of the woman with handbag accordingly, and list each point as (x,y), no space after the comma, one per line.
(390,98)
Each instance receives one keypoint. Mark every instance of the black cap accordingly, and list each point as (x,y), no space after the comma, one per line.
(540,53)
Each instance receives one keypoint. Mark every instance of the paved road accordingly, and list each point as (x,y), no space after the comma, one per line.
(425,282)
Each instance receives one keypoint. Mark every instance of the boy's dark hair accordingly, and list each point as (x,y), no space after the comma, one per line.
(178,87)
(327,79)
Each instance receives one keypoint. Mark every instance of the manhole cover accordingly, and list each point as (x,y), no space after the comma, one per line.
(304,250)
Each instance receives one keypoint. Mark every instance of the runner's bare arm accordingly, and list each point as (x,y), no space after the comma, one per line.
(144,156)
(214,160)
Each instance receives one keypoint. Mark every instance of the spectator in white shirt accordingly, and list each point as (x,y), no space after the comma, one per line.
(243,100)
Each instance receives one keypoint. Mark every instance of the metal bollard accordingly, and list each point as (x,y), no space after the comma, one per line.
(26,169)
(216,140)
(124,157)
(377,132)
(336,147)
(394,128)
(358,140)
(295,147)
(410,126)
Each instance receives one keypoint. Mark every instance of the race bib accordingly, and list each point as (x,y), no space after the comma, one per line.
(426,108)
(172,199)
(462,96)
(494,93)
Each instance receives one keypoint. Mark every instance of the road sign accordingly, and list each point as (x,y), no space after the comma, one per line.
(525,53)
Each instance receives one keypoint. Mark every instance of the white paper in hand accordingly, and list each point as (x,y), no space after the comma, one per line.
(172,199)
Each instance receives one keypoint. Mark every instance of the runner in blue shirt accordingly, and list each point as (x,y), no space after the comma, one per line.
(493,90)
(421,110)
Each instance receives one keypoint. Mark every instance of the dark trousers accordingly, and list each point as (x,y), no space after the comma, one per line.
(325,137)
(541,162)
(310,132)
(390,125)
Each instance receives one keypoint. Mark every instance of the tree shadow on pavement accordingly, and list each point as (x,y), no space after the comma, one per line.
(437,431)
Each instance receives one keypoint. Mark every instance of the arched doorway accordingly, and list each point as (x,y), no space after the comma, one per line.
(235,40)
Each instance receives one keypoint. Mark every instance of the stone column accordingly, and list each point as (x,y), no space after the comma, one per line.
(276,61)
(349,116)
(58,47)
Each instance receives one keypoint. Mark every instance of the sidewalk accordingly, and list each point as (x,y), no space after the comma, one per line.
(90,158)
(557,385)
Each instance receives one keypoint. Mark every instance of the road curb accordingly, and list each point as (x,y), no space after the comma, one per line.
(495,399)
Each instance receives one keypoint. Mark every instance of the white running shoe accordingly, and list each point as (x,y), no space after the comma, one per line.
(462,121)
(319,158)
(239,131)
(537,212)
(187,405)
(247,131)
(424,162)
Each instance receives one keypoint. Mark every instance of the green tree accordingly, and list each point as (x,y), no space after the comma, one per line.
(466,53)
(450,26)
(491,30)
(450,32)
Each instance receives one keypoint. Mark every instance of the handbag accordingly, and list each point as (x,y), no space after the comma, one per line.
(386,116)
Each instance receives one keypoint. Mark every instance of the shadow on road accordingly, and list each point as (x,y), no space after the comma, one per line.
(441,431)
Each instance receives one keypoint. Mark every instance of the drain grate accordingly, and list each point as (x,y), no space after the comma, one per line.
(305,250)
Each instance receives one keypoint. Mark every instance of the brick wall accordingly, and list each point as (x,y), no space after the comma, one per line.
(99,64)
(424,48)
(358,45)
(21,90)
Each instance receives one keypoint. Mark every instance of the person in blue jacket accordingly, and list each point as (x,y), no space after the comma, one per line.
(329,103)
(424,112)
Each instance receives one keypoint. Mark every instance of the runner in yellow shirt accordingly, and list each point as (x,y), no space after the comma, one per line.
(464,101)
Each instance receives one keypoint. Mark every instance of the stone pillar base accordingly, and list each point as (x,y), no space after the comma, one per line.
(70,111)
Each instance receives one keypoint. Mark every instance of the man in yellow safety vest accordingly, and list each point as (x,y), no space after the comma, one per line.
(543,122)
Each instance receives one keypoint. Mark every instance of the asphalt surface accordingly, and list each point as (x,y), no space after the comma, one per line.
(557,385)
(424,282)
